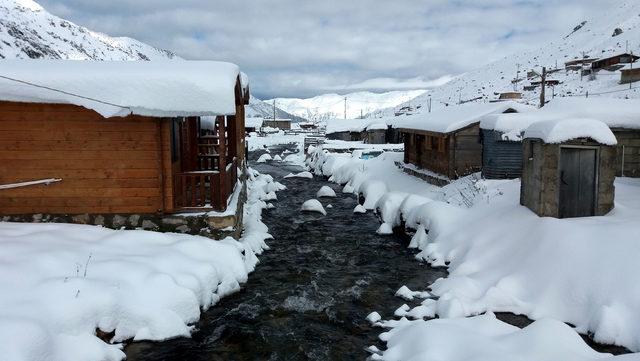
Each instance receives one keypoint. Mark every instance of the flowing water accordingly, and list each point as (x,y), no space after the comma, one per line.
(310,294)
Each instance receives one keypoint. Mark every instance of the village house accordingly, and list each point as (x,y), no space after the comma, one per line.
(122,143)
(578,64)
(629,75)
(445,144)
(613,63)
(282,124)
(568,168)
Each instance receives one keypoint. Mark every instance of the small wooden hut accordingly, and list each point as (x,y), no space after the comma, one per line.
(614,62)
(569,168)
(446,143)
(282,124)
(119,137)
(630,75)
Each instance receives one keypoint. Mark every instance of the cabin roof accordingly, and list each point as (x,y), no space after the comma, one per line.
(615,113)
(453,118)
(119,88)
(564,129)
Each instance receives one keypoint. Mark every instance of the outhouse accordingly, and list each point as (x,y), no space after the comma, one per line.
(568,168)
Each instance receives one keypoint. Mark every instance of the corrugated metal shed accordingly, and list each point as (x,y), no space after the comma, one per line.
(501,159)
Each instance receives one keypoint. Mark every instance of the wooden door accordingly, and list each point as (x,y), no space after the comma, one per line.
(577,182)
(419,147)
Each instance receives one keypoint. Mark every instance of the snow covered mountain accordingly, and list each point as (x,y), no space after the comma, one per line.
(259,109)
(331,106)
(28,31)
(591,38)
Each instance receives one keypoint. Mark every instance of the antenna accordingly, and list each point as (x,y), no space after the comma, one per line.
(345,107)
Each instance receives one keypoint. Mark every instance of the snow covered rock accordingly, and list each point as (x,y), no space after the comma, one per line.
(374,317)
(405,293)
(277,158)
(359,209)
(313,205)
(326,191)
(264,158)
(384,229)
(304,174)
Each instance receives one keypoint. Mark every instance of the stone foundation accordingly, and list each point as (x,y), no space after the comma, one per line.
(216,227)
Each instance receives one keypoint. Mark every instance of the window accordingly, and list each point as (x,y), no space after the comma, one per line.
(175,139)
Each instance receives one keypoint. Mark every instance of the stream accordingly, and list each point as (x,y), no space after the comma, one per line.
(310,294)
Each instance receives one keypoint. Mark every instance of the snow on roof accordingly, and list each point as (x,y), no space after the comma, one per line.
(376,125)
(561,130)
(346,125)
(452,118)
(119,88)
(253,122)
(616,113)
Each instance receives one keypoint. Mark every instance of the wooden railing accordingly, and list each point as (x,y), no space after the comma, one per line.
(199,190)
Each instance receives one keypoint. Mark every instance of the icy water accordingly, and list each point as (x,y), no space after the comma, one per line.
(310,294)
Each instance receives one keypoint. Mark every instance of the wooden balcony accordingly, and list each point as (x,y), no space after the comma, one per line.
(205,190)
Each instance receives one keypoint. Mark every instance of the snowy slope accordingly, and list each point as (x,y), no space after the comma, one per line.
(29,31)
(594,38)
(331,106)
(259,109)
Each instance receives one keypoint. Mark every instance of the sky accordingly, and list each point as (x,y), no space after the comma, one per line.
(302,48)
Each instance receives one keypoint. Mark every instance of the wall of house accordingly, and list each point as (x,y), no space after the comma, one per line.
(375,136)
(106,165)
(628,157)
(500,159)
(629,76)
(277,124)
(539,190)
(428,152)
(466,152)
(339,136)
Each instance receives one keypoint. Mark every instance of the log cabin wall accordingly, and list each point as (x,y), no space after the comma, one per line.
(466,151)
(427,150)
(112,165)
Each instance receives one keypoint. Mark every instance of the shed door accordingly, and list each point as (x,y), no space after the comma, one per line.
(577,182)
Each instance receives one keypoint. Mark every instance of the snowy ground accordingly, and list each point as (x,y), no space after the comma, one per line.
(502,257)
(60,283)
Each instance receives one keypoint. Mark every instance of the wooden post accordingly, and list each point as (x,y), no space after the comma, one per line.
(222,150)
(543,85)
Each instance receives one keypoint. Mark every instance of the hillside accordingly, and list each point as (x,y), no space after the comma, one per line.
(259,109)
(594,37)
(331,106)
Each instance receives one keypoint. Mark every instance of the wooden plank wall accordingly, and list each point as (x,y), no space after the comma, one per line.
(467,152)
(433,149)
(107,165)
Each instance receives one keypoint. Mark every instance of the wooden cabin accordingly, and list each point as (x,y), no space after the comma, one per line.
(578,64)
(446,143)
(282,124)
(571,176)
(120,137)
(613,62)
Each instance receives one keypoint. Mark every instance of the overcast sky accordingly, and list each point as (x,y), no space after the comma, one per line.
(300,48)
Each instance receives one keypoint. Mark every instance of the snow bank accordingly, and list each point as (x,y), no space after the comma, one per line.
(313,205)
(486,338)
(326,191)
(561,130)
(119,88)
(61,282)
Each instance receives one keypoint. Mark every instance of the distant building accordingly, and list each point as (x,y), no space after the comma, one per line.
(578,64)
(253,125)
(282,124)
(629,75)
(613,63)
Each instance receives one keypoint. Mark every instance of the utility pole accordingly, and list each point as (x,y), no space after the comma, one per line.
(515,84)
(429,103)
(274,110)
(459,96)
(345,107)
(361,116)
(543,85)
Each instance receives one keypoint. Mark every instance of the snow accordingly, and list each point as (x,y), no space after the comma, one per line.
(405,293)
(331,106)
(303,174)
(313,205)
(359,209)
(120,88)
(59,282)
(486,338)
(562,130)
(326,191)
(374,317)
(452,118)
(277,158)
(264,158)
(253,123)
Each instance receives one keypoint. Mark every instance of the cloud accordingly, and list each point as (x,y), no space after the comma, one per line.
(394,84)
(302,48)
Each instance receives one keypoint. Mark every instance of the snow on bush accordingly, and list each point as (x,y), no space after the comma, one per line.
(486,338)
(326,191)
(264,158)
(304,174)
(61,282)
(313,205)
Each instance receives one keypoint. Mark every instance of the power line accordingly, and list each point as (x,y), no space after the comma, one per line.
(65,92)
